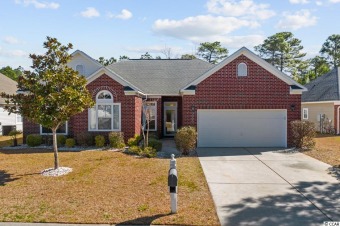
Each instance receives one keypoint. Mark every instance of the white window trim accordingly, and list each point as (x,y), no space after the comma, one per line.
(303,113)
(155,115)
(103,102)
(246,66)
(66,133)
(16,119)
(83,68)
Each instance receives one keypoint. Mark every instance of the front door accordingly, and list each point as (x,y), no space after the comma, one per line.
(170,118)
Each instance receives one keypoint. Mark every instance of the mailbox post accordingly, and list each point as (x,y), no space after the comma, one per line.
(173,183)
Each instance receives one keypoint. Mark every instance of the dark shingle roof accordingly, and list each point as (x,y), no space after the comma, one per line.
(7,85)
(324,88)
(160,76)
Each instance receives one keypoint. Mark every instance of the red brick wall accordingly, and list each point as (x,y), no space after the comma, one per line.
(29,128)
(336,116)
(225,90)
(130,108)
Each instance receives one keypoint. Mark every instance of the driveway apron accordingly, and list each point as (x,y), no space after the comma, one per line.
(270,186)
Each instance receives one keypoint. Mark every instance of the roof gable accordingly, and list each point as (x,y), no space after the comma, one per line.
(8,86)
(80,58)
(252,56)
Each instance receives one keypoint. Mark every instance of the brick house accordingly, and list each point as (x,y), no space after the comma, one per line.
(241,102)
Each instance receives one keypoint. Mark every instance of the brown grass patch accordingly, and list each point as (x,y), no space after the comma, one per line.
(327,149)
(104,187)
(6,141)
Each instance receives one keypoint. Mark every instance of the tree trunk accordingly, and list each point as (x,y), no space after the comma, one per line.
(55,148)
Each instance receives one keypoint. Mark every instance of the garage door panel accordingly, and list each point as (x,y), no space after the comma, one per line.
(240,128)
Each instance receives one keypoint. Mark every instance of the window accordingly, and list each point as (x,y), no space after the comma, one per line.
(80,69)
(242,69)
(63,129)
(150,108)
(305,113)
(18,119)
(105,115)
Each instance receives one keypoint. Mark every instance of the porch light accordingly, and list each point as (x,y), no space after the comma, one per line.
(292,107)
(193,108)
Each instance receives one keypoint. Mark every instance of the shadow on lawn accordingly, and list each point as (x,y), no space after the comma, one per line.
(288,209)
(143,220)
(5,178)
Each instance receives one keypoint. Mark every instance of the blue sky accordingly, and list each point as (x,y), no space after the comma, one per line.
(131,27)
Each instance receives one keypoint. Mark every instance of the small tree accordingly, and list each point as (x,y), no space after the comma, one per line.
(14,134)
(53,92)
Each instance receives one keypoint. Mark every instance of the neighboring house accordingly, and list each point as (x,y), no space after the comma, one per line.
(321,103)
(9,86)
(241,102)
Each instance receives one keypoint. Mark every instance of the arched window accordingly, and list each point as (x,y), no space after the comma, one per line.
(242,69)
(80,69)
(105,115)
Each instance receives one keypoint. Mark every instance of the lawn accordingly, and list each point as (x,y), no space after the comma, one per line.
(104,187)
(7,140)
(327,149)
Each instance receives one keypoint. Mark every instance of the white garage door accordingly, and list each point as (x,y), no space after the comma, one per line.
(242,128)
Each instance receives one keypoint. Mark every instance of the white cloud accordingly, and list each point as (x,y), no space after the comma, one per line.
(297,20)
(11,40)
(299,1)
(200,27)
(90,12)
(124,14)
(38,4)
(318,3)
(334,1)
(153,49)
(12,53)
(245,8)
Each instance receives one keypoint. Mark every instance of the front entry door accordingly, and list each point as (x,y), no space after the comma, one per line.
(170,118)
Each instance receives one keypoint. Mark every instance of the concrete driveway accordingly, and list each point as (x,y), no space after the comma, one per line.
(268,186)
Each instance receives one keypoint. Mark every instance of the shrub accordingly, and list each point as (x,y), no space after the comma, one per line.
(70,142)
(84,139)
(156,144)
(116,139)
(13,135)
(134,140)
(61,139)
(185,139)
(100,141)
(135,150)
(303,133)
(33,140)
(148,152)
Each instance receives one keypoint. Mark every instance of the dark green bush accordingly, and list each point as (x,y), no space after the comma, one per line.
(303,133)
(148,152)
(61,139)
(116,139)
(70,142)
(84,139)
(100,141)
(185,139)
(33,140)
(156,144)
(133,141)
